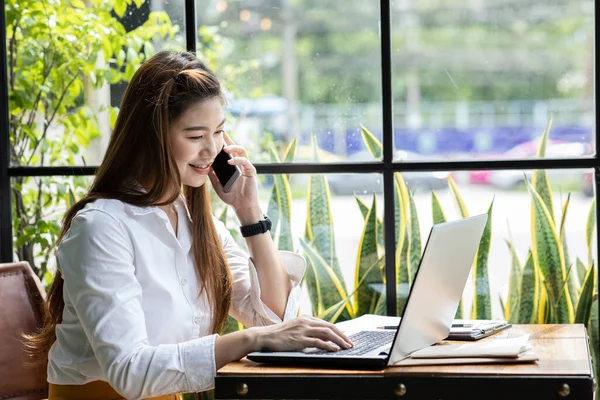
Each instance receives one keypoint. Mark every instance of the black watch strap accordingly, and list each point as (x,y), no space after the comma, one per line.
(261,226)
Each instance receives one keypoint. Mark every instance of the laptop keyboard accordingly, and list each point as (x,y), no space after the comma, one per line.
(364,341)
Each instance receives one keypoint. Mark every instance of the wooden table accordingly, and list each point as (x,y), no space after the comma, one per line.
(563,371)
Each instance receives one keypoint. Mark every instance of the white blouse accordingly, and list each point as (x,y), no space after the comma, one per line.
(132,314)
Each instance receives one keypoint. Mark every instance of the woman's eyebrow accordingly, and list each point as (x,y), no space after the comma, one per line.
(202,128)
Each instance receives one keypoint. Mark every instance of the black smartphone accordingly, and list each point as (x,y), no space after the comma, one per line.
(226,173)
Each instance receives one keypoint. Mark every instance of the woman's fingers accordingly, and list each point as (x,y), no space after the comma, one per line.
(305,332)
(321,344)
(246,166)
(235,150)
(330,336)
(332,327)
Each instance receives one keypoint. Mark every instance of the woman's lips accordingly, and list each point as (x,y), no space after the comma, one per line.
(201,169)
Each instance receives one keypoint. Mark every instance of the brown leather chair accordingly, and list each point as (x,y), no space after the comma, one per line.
(21,311)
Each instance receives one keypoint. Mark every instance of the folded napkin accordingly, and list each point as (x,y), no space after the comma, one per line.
(493,348)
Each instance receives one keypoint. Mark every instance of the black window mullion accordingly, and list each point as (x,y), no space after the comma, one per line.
(364,167)
(388,155)
(190,25)
(6,237)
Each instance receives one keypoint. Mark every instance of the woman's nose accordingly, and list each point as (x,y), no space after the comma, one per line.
(211,149)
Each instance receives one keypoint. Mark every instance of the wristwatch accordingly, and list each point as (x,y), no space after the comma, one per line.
(261,226)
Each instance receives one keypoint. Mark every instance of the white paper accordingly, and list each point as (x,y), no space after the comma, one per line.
(367,322)
(511,348)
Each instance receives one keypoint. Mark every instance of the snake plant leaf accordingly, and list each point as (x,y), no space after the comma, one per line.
(273,205)
(223,215)
(539,179)
(581,269)
(502,306)
(332,313)
(402,276)
(402,242)
(381,306)
(594,334)
(563,238)
(285,229)
(566,284)
(547,254)
(319,226)
(284,200)
(543,302)
(362,206)
(528,303)
(586,297)
(231,325)
(311,278)
(280,208)
(482,303)
(290,151)
(573,280)
(319,222)
(436,209)
(364,210)
(414,249)
(590,228)
(401,208)
(366,298)
(457,199)
(373,145)
(511,308)
(328,287)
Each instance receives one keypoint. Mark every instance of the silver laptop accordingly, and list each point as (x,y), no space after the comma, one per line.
(429,311)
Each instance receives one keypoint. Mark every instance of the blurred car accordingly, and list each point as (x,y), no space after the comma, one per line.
(587,184)
(373,182)
(523,150)
(508,179)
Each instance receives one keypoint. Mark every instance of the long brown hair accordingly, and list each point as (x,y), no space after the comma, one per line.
(139,151)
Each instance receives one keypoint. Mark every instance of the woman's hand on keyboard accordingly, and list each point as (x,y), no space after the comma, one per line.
(300,333)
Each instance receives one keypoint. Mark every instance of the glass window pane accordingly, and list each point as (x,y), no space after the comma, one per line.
(69,69)
(294,69)
(39,204)
(507,288)
(483,79)
(308,219)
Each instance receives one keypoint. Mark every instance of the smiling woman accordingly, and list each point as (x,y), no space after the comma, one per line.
(197,138)
(146,276)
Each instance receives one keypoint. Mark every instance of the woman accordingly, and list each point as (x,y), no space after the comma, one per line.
(146,276)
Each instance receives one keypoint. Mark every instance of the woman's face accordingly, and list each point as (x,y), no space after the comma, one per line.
(196,139)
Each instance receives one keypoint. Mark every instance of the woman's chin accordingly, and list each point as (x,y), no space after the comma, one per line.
(196,182)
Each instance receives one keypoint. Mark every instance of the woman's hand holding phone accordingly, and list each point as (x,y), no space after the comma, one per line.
(242,192)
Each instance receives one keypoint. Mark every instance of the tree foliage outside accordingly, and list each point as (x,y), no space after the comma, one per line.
(56,50)
(492,51)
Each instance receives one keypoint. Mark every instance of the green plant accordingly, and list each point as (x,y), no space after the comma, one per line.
(545,289)
(55,60)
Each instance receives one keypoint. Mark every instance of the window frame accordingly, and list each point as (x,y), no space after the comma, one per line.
(387,166)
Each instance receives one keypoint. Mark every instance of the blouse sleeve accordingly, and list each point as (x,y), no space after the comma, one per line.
(246,304)
(96,262)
